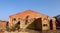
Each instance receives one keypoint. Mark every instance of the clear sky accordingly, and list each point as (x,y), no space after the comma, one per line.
(48,7)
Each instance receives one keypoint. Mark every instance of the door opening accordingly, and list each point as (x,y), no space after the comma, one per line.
(51,27)
(18,24)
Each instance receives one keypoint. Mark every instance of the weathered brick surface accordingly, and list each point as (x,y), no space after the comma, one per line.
(3,24)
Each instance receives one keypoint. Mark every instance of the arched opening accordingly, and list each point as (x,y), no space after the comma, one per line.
(51,27)
(26,21)
(18,24)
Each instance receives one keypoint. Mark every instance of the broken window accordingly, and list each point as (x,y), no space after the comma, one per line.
(26,20)
(45,25)
(14,19)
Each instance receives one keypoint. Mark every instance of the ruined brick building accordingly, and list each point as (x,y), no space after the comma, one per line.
(3,24)
(30,19)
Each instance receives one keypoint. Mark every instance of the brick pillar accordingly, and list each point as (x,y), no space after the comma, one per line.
(46,23)
(54,23)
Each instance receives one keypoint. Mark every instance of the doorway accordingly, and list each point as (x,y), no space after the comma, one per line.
(18,24)
(51,25)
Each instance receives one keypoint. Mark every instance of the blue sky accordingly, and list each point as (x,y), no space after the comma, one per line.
(48,7)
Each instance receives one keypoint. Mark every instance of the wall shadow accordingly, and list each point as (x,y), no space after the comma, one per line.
(36,25)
